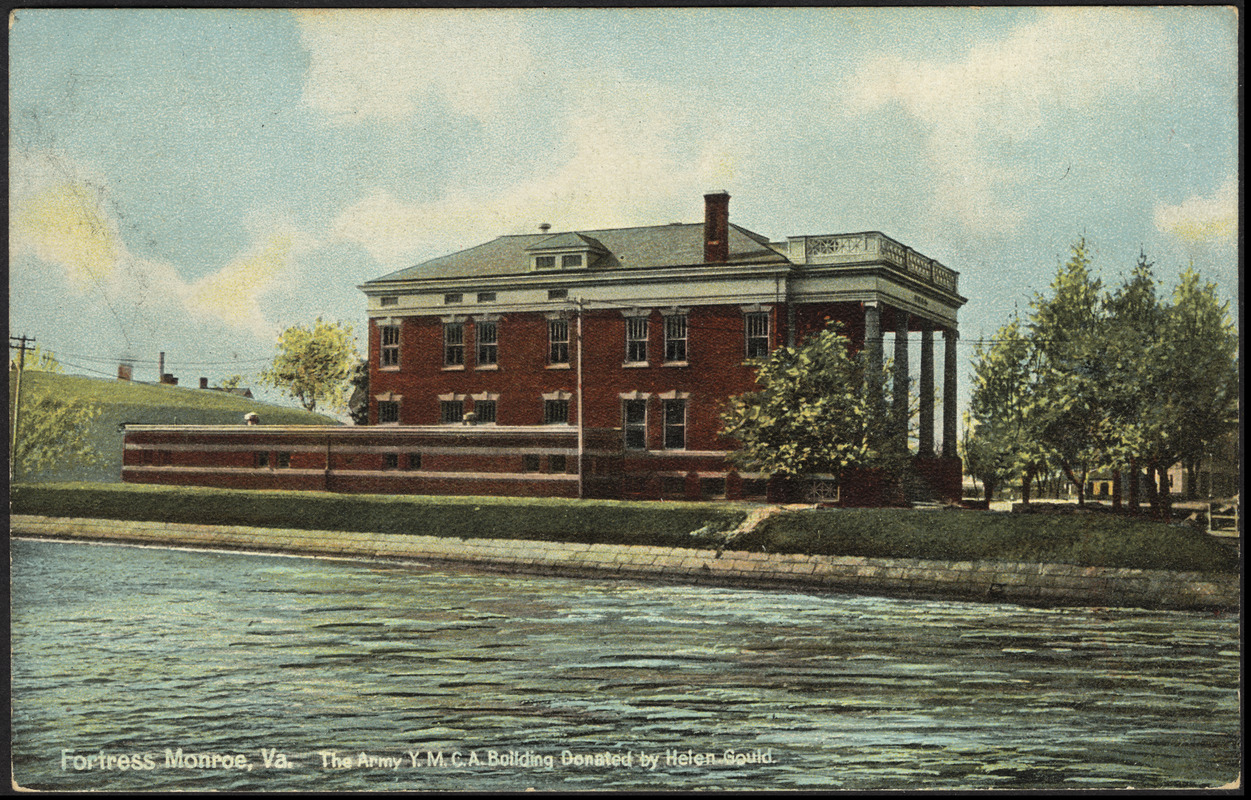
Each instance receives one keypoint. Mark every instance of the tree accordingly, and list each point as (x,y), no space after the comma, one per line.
(358,401)
(52,432)
(39,360)
(1003,441)
(811,414)
(1064,415)
(313,364)
(232,382)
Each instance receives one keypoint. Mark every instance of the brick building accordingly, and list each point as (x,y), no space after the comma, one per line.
(648,330)
(591,364)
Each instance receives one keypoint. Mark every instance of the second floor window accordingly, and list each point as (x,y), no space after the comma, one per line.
(453,344)
(558,337)
(488,342)
(390,353)
(757,334)
(451,412)
(675,337)
(555,412)
(636,339)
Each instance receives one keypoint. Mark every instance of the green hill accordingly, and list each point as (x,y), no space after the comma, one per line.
(146,404)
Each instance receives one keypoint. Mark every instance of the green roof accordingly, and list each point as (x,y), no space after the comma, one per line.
(678,244)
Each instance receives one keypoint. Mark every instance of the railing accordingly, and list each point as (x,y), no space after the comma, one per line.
(856,247)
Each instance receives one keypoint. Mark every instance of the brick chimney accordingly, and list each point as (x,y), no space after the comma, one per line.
(203,383)
(717,227)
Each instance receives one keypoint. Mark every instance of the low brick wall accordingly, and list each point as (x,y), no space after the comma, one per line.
(988,581)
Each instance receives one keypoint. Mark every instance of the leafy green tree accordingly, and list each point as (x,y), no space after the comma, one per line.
(314,363)
(358,401)
(39,360)
(813,413)
(232,382)
(1064,413)
(1003,441)
(1199,359)
(51,432)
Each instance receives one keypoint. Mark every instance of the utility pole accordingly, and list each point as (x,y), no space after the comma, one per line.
(17,399)
(581,427)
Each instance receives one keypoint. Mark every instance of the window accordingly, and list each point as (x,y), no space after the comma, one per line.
(262,460)
(453,344)
(529,463)
(570,261)
(557,294)
(675,424)
(757,334)
(545,262)
(488,342)
(451,411)
(675,337)
(390,353)
(558,338)
(634,423)
(284,460)
(388,412)
(486,297)
(453,298)
(390,460)
(414,460)
(555,412)
(636,340)
(390,301)
(556,463)
(484,410)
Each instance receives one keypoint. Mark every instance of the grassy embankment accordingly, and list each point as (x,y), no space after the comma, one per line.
(143,404)
(1093,540)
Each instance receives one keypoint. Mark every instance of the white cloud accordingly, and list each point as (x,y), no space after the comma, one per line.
(632,162)
(1066,65)
(64,217)
(372,63)
(1203,219)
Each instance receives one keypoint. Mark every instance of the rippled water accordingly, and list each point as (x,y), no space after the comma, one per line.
(131,651)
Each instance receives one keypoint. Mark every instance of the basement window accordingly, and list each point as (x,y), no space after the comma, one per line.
(261,460)
(284,461)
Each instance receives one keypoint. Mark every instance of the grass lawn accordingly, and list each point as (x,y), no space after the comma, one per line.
(1091,540)
(144,404)
(1097,540)
(545,519)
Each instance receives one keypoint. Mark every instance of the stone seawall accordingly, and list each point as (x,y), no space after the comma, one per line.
(993,581)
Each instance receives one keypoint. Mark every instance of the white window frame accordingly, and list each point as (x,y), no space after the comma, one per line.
(487,349)
(752,333)
(456,346)
(554,343)
(389,351)
(667,426)
(637,331)
(677,322)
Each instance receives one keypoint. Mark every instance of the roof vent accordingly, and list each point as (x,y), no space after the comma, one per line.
(545,227)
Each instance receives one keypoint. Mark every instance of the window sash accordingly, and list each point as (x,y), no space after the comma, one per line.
(558,336)
(756,332)
(388,411)
(488,342)
(636,339)
(451,411)
(390,352)
(675,337)
(634,424)
(675,424)
(555,412)
(484,410)
(453,344)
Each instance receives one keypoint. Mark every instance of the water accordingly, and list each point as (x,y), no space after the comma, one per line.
(132,651)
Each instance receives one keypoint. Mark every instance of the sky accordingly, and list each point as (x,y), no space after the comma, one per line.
(194,181)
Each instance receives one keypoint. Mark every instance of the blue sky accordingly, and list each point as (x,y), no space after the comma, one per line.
(194,181)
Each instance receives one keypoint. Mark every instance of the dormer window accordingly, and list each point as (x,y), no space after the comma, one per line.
(566,251)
